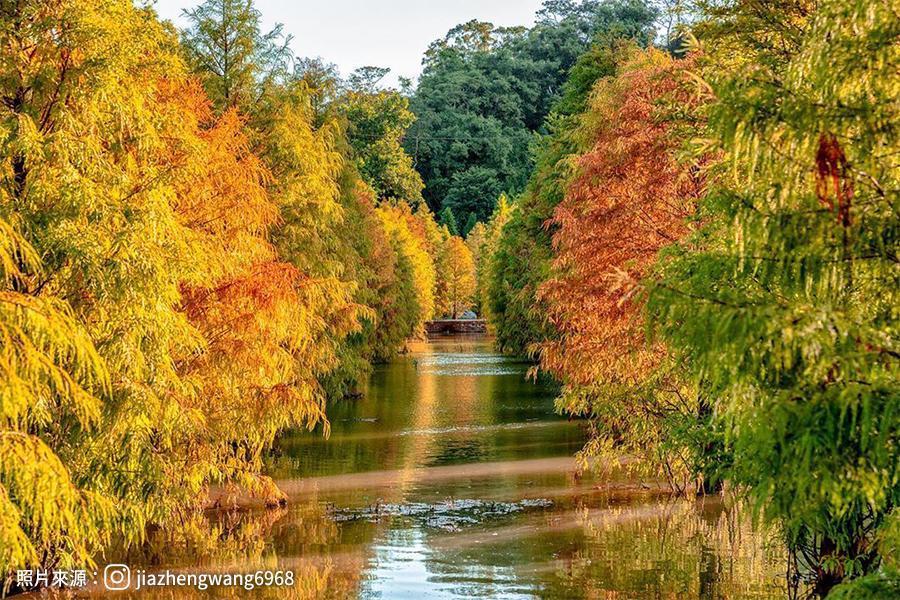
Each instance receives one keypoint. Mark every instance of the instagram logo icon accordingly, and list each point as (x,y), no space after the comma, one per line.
(117,577)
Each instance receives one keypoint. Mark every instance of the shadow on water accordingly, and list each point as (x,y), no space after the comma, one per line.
(452,477)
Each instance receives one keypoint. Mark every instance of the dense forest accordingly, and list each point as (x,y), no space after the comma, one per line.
(684,213)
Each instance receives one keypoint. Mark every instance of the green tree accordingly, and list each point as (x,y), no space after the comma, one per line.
(486,90)
(366,79)
(470,223)
(383,281)
(448,220)
(473,191)
(237,61)
(376,124)
(323,84)
(785,305)
(483,241)
(360,248)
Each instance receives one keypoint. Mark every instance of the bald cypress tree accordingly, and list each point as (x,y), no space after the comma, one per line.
(785,303)
(235,58)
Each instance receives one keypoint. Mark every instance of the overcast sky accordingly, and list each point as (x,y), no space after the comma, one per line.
(384,33)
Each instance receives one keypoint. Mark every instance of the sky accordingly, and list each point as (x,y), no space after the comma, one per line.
(383,33)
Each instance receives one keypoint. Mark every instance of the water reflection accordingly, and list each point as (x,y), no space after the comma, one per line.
(452,477)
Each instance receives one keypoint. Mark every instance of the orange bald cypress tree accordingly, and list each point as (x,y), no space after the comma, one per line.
(243,380)
(630,198)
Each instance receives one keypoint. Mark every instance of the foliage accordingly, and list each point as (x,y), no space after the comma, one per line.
(88,181)
(368,259)
(306,167)
(377,121)
(366,79)
(459,276)
(483,241)
(258,369)
(45,353)
(448,220)
(485,90)
(417,303)
(384,276)
(319,139)
(366,126)
(200,242)
(885,582)
(172,287)
(521,260)
(773,359)
(470,223)
(784,305)
(237,62)
(630,198)
(358,119)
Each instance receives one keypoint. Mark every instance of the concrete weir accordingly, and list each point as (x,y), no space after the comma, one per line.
(450,326)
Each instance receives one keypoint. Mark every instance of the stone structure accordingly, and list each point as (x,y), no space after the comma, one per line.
(451,326)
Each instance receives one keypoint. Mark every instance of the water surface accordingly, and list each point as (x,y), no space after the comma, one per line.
(452,477)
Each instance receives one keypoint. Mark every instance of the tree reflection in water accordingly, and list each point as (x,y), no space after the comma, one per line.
(453,478)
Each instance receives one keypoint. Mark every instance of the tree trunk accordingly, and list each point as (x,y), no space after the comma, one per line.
(826,580)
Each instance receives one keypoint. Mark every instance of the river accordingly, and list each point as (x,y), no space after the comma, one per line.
(452,477)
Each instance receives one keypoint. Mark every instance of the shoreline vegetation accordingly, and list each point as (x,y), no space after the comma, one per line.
(685,213)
